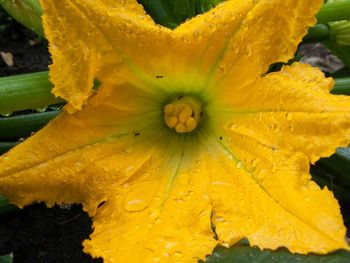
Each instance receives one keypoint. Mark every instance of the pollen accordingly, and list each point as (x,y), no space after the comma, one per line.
(182,115)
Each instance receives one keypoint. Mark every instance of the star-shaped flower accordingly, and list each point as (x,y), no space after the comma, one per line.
(188,142)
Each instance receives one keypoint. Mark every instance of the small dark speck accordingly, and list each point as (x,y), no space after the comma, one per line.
(201,114)
(137,134)
(220,138)
(101,204)
(180,97)
(159,77)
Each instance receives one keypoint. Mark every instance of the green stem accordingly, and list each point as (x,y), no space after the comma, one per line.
(160,11)
(334,11)
(5,146)
(27,12)
(28,91)
(342,86)
(23,125)
(319,32)
(5,206)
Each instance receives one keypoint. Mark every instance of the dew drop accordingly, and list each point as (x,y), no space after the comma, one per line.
(233,126)
(6,113)
(41,109)
(178,254)
(135,205)
(239,165)
(196,34)
(78,166)
(255,162)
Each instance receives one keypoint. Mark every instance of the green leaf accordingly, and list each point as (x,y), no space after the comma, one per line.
(23,125)
(243,253)
(27,12)
(333,172)
(172,13)
(5,146)
(6,259)
(339,166)
(5,206)
(342,52)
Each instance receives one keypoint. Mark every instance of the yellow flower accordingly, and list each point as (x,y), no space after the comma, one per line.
(188,141)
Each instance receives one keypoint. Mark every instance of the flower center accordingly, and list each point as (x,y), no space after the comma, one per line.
(183,114)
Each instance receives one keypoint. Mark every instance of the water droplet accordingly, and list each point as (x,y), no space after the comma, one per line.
(248,50)
(233,126)
(239,165)
(255,162)
(127,150)
(129,170)
(196,34)
(55,107)
(156,260)
(274,168)
(103,20)
(135,205)
(289,116)
(41,109)
(78,166)
(6,113)
(222,68)
(178,254)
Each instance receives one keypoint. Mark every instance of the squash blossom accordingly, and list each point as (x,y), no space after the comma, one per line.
(187,143)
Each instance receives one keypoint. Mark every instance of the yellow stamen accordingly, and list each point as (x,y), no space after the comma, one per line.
(183,115)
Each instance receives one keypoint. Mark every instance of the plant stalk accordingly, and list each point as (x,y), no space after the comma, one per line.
(27,91)
(5,146)
(317,33)
(23,125)
(341,86)
(334,11)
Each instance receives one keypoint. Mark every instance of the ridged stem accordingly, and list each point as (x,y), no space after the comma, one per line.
(27,91)
(23,125)
(334,11)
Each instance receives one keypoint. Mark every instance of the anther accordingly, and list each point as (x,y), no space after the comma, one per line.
(183,114)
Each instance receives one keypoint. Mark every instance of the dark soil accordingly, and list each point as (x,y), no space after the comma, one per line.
(29,52)
(37,234)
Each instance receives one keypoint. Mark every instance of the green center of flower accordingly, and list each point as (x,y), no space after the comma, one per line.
(183,114)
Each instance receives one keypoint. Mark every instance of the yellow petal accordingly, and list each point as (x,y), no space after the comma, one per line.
(247,36)
(268,197)
(159,215)
(95,40)
(292,110)
(58,163)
